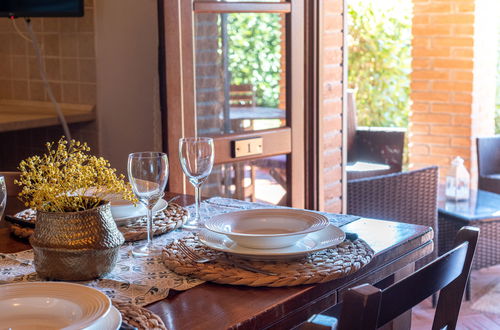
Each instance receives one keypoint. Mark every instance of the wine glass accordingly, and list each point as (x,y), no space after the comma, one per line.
(148,175)
(3,196)
(197,159)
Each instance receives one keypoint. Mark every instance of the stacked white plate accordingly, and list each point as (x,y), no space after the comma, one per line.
(56,305)
(270,233)
(124,211)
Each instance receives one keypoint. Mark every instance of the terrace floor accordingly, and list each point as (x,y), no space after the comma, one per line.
(483,280)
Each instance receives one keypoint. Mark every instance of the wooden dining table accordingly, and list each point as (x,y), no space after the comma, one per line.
(213,306)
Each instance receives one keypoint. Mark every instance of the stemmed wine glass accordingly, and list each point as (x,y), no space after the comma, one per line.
(197,159)
(148,175)
(3,196)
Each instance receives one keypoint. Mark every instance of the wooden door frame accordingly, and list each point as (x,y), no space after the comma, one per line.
(179,81)
(313,105)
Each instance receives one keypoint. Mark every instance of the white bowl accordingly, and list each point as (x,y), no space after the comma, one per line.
(267,228)
(51,305)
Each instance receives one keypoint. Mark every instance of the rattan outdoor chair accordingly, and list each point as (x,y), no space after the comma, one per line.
(488,163)
(409,197)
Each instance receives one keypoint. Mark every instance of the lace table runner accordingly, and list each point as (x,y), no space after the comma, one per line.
(141,281)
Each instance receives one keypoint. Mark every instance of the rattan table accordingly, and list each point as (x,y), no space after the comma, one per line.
(482,210)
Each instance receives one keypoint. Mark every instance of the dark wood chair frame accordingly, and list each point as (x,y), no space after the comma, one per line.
(367,307)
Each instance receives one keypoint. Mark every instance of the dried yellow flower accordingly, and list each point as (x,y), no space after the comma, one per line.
(68,179)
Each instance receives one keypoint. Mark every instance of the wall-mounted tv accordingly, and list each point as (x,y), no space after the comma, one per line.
(41,8)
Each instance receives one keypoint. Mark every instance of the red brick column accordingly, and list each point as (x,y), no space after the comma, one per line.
(331,103)
(450,87)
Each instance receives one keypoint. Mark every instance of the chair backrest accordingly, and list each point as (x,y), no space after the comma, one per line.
(242,95)
(488,155)
(367,307)
(409,197)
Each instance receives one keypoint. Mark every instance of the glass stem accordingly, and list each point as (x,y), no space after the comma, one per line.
(197,203)
(150,225)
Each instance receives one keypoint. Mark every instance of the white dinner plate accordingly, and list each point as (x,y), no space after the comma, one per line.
(51,305)
(125,212)
(316,241)
(112,321)
(267,228)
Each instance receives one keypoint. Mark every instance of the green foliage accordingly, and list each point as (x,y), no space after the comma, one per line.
(255,54)
(379,64)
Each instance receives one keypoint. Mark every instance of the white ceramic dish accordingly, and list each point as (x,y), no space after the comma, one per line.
(316,241)
(112,321)
(267,228)
(51,305)
(124,211)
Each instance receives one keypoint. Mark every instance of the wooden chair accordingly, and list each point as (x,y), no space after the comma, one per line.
(488,163)
(367,307)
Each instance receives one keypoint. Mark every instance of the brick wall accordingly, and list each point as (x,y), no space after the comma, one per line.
(68,48)
(331,121)
(448,71)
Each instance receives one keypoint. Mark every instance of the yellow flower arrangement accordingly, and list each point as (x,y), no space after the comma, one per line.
(68,179)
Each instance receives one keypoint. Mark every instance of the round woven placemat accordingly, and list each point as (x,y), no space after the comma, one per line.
(322,266)
(139,317)
(173,217)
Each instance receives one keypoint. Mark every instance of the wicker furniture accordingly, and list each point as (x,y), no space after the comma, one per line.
(367,307)
(482,211)
(409,197)
(488,161)
(372,151)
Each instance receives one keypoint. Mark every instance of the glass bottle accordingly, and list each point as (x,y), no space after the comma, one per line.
(457,181)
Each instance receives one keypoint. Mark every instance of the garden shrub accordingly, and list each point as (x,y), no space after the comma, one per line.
(379,65)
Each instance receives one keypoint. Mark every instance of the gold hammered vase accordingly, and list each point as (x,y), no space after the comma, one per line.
(76,246)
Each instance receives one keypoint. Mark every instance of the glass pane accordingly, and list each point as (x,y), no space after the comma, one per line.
(240,72)
(241,1)
(262,180)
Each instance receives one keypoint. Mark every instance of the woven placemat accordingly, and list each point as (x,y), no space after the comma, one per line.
(138,317)
(322,266)
(171,218)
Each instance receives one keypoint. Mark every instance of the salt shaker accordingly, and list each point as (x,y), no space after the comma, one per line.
(457,181)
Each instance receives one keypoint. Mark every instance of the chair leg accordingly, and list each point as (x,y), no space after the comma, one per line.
(468,290)
(434,300)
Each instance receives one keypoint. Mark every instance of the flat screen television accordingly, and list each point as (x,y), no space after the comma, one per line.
(41,8)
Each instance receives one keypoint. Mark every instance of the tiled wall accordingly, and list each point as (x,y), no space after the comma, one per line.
(68,48)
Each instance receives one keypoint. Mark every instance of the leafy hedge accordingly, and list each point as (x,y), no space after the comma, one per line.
(379,42)
(255,54)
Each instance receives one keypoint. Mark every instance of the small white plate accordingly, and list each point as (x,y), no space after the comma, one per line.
(51,305)
(124,212)
(112,321)
(319,240)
